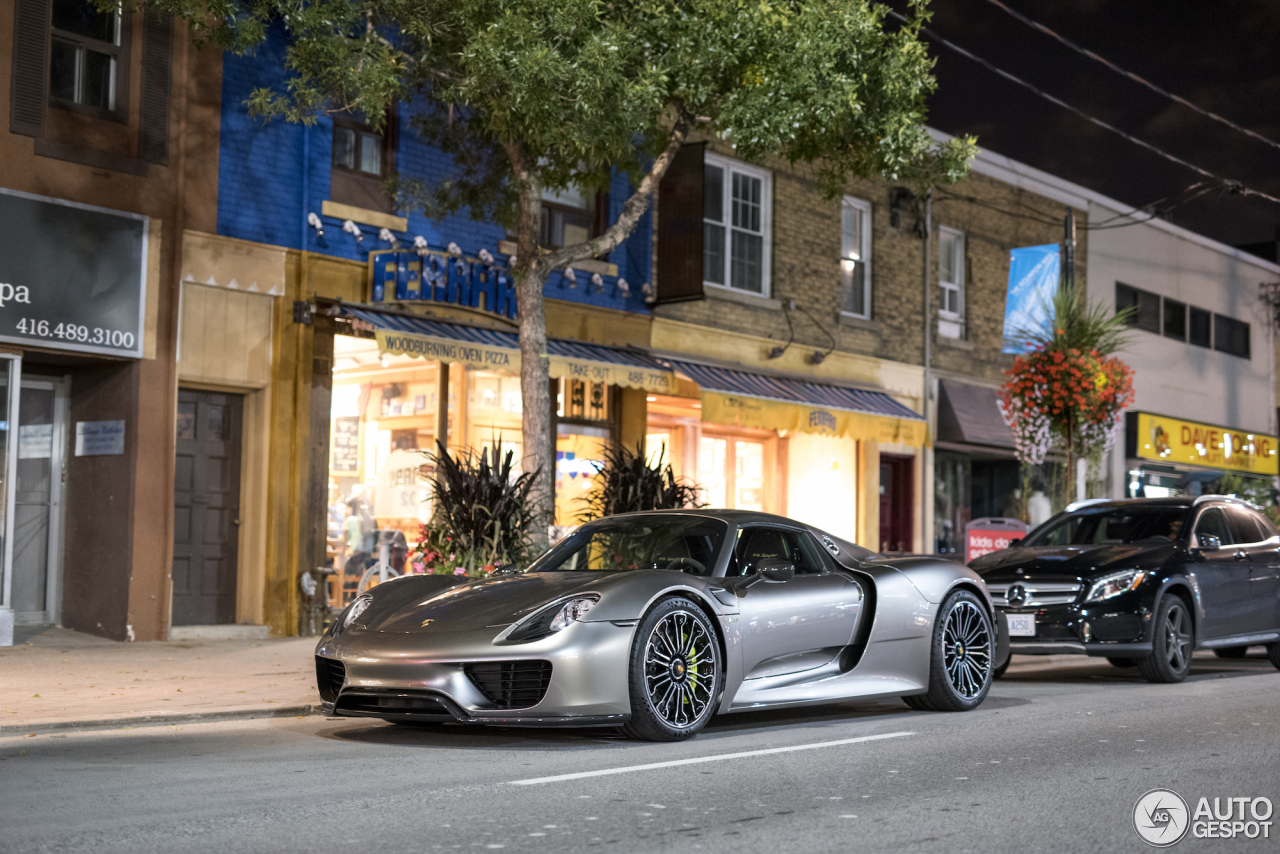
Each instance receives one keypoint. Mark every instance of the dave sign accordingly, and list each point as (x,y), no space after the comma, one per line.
(72,277)
(983,536)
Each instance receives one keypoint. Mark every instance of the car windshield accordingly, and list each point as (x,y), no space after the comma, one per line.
(687,543)
(1152,523)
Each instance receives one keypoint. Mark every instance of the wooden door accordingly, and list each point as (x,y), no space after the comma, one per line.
(895,503)
(206,499)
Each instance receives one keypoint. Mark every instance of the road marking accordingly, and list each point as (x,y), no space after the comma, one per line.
(604,772)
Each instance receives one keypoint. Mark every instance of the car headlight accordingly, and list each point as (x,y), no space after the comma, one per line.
(1114,584)
(573,610)
(357,608)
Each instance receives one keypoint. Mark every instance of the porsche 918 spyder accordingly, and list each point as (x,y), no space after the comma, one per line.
(655,622)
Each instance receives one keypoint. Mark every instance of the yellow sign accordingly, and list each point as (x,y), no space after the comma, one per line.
(764,414)
(489,358)
(1172,440)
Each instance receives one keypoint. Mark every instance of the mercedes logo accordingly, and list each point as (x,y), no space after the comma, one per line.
(1017,594)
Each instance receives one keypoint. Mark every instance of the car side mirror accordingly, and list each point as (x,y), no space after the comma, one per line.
(1208,542)
(1014,542)
(772,569)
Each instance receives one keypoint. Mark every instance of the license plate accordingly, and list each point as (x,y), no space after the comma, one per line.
(1021,625)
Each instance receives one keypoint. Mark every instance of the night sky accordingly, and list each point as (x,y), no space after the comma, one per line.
(1222,55)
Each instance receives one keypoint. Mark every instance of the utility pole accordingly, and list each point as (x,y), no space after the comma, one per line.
(926,494)
(1069,249)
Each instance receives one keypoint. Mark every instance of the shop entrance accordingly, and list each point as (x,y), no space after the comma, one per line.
(895,503)
(37,500)
(206,508)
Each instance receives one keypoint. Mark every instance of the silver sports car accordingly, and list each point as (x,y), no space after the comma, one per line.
(655,622)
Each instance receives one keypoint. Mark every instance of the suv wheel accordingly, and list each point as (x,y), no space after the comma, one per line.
(1172,641)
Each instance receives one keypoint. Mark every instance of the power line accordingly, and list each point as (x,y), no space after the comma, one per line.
(1230,184)
(1134,77)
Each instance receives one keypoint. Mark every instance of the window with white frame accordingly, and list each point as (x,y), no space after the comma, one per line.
(855,257)
(951,282)
(735,218)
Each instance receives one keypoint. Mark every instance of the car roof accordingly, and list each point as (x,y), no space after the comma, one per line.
(736,517)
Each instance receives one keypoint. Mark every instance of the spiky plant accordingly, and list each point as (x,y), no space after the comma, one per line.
(627,482)
(483,514)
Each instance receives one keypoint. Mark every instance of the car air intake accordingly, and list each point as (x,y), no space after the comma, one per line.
(363,702)
(330,674)
(511,684)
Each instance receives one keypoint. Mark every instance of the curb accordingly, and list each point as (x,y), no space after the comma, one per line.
(11,730)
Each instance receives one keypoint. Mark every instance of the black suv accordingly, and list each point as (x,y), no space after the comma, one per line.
(1143,582)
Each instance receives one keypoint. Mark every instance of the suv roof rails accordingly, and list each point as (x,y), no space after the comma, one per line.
(1076,505)
(1231,499)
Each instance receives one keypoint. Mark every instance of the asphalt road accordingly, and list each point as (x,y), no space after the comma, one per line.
(1053,761)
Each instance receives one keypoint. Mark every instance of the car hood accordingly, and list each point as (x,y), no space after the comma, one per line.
(1067,563)
(484,603)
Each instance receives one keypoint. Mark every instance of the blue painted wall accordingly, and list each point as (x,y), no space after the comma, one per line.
(272,174)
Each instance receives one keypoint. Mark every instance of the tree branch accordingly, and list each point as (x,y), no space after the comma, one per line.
(635,205)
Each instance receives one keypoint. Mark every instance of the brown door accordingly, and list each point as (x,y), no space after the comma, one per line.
(895,503)
(206,508)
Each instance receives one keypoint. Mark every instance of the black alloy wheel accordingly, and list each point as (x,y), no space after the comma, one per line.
(960,667)
(1118,661)
(1172,642)
(676,673)
(1232,652)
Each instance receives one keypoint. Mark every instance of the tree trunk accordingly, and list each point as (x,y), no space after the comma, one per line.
(535,396)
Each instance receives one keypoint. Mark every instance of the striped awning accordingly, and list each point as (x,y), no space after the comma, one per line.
(498,350)
(768,402)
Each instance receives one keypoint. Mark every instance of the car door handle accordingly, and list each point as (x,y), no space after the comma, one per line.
(1241,555)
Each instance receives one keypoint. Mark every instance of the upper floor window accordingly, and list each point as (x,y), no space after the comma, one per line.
(855,257)
(570,216)
(363,158)
(735,218)
(1164,316)
(951,282)
(85,55)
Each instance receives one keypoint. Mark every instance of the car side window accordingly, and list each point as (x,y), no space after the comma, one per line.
(1264,524)
(757,544)
(1244,529)
(1213,523)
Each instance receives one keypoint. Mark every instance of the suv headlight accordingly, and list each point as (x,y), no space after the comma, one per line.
(1114,584)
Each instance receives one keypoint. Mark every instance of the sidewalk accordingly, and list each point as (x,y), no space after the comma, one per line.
(63,680)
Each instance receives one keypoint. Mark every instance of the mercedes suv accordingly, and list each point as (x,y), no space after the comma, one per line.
(1143,582)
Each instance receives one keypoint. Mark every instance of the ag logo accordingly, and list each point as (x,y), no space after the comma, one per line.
(1161,818)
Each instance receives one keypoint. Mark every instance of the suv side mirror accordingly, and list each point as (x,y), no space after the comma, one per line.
(772,569)
(1208,542)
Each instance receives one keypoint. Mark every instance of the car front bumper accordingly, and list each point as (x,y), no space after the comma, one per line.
(1118,628)
(423,676)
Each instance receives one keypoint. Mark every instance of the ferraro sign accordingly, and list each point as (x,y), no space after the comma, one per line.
(72,277)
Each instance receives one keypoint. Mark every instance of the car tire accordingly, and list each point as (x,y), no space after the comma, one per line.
(1232,652)
(1273,653)
(961,655)
(671,697)
(1172,642)
(1118,661)
(1000,669)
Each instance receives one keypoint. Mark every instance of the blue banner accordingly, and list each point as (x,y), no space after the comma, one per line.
(1033,279)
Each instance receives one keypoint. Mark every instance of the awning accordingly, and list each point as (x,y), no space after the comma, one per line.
(970,414)
(497,350)
(767,402)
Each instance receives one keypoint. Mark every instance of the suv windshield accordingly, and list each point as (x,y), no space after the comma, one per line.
(687,543)
(1135,523)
